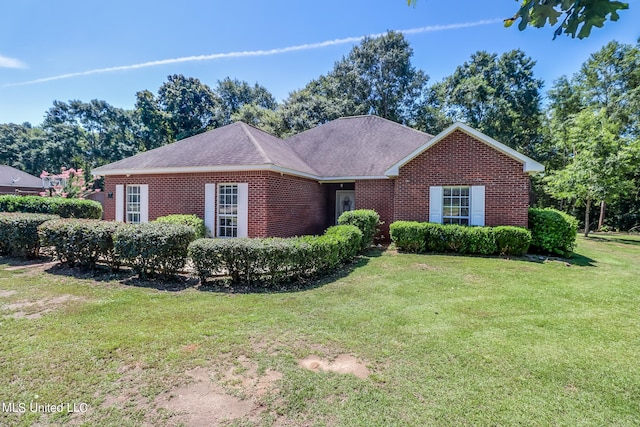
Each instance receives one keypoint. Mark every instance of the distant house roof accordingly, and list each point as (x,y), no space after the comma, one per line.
(347,148)
(360,146)
(12,177)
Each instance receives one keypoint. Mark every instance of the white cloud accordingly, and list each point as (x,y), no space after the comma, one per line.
(6,62)
(252,53)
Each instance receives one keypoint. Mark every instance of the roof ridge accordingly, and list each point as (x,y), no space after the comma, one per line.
(255,143)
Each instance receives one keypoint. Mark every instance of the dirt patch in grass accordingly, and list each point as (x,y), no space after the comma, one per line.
(35,309)
(203,402)
(343,364)
(6,294)
(232,392)
(426,267)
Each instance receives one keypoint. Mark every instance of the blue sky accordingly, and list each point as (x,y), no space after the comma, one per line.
(51,50)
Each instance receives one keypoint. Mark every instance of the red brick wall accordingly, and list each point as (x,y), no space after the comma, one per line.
(296,206)
(377,194)
(293,207)
(460,159)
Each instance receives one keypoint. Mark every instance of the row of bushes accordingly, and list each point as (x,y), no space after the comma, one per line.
(65,208)
(551,232)
(19,233)
(420,237)
(82,243)
(274,261)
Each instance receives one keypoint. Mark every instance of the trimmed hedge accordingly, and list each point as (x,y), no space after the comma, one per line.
(410,236)
(65,208)
(275,261)
(484,241)
(366,220)
(153,248)
(81,242)
(421,237)
(191,220)
(19,233)
(552,231)
(512,240)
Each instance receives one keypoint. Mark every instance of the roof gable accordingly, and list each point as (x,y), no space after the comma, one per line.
(530,166)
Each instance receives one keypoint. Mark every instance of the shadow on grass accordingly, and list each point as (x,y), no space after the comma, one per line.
(174,284)
(576,259)
(224,285)
(125,277)
(181,282)
(25,262)
(615,239)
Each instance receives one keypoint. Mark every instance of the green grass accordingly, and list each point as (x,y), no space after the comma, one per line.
(450,340)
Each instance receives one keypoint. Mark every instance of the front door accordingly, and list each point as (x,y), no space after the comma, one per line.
(345,201)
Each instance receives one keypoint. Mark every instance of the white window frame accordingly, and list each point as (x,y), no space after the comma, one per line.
(232,229)
(454,205)
(476,204)
(133,216)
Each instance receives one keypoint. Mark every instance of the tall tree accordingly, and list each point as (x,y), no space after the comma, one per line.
(599,162)
(15,141)
(235,94)
(607,84)
(98,132)
(183,107)
(499,96)
(376,77)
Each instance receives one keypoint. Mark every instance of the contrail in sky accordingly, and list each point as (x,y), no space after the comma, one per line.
(253,53)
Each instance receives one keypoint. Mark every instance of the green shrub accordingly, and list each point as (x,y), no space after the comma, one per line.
(435,238)
(191,220)
(19,233)
(512,240)
(454,237)
(366,220)
(66,208)
(481,241)
(409,236)
(423,237)
(153,248)
(81,242)
(552,231)
(274,261)
(346,238)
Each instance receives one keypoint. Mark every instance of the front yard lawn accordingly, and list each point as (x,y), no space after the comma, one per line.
(446,340)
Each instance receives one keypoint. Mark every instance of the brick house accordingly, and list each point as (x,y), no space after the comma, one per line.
(15,181)
(245,182)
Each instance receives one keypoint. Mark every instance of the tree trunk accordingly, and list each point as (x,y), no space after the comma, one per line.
(602,211)
(586,217)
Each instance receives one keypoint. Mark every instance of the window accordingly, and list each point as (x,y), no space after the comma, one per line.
(134,204)
(228,210)
(455,205)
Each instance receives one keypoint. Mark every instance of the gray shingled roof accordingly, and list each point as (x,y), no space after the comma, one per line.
(356,146)
(13,177)
(235,144)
